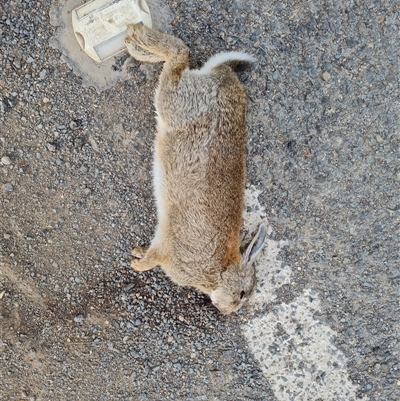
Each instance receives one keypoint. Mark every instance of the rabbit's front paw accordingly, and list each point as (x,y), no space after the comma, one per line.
(139,252)
(137,265)
(140,262)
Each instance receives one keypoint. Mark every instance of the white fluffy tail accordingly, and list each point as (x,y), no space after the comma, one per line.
(238,61)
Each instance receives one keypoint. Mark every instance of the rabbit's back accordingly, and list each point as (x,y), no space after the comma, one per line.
(200,159)
(208,98)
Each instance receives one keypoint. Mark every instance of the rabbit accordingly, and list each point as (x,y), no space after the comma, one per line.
(199,171)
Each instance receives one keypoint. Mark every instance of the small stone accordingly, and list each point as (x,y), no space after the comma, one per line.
(50,147)
(381,19)
(17,64)
(86,191)
(114,324)
(138,322)
(128,287)
(94,144)
(31,353)
(45,100)
(326,76)
(73,125)
(4,106)
(7,187)
(79,319)
(6,160)
(7,236)
(43,74)
(30,60)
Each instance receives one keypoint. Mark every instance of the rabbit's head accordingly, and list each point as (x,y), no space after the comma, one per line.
(238,280)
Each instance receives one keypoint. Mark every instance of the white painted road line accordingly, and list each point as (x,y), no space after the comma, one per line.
(271,273)
(295,350)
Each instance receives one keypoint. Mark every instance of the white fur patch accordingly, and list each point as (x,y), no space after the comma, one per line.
(158,185)
(222,58)
(161,128)
(158,182)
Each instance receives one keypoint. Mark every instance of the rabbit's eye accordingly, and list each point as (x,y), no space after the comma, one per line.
(242,294)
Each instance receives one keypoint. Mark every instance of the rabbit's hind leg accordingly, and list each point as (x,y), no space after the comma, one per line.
(140,54)
(161,44)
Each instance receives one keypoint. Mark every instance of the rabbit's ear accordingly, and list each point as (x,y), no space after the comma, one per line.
(255,245)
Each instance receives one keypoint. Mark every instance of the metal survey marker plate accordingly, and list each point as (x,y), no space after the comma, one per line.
(100,25)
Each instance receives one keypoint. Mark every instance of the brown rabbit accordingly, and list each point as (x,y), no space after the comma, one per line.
(199,171)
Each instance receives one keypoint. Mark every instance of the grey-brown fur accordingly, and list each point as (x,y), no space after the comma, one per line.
(199,172)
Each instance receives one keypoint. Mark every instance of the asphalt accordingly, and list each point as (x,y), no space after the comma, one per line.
(76,323)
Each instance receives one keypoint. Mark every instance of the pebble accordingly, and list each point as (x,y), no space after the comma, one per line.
(73,125)
(7,187)
(43,74)
(4,106)
(326,76)
(31,353)
(128,287)
(79,319)
(6,160)
(50,147)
